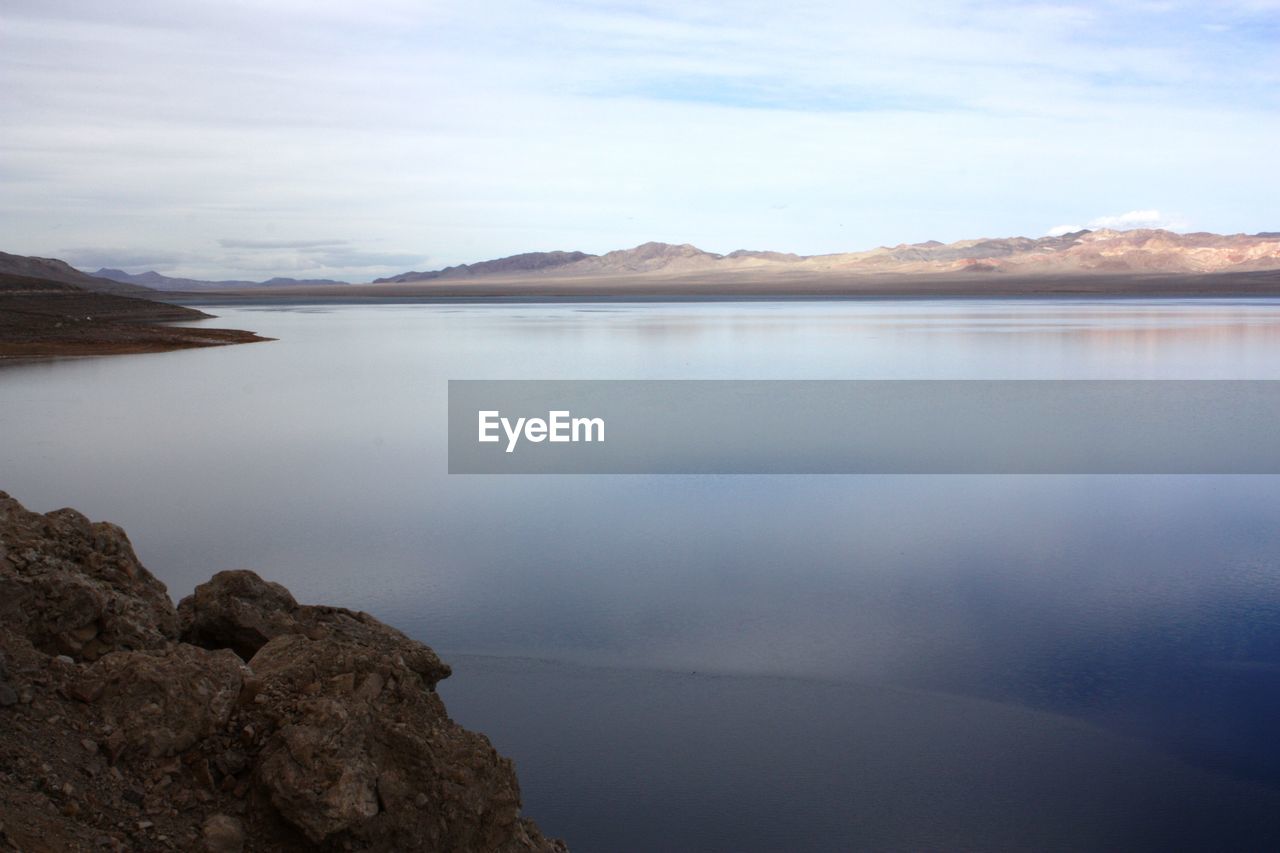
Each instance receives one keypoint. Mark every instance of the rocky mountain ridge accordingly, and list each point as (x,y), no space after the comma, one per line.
(527,262)
(239,720)
(1081,253)
(1102,252)
(156,281)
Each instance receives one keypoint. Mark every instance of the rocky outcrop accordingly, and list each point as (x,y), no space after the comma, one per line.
(76,588)
(164,702)
(239,611)
(362,746)
(240,720)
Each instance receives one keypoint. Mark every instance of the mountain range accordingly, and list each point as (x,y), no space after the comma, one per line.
(1085,252)
(1080,254)
(156,281)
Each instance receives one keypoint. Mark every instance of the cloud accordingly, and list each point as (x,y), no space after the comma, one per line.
(95,257)
(261,259)
(300,245)
(764,93)
(1125,221)
(448,131)
(1138,219)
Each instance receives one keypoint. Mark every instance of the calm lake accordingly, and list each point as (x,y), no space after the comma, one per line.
(734,662)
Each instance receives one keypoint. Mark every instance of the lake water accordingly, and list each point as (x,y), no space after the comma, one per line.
(734,662)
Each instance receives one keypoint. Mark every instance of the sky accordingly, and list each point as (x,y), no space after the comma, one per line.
(245,139)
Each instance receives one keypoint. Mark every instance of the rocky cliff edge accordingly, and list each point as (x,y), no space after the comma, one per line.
(239,720)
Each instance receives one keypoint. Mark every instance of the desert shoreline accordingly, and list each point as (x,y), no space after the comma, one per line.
(43,319)
(645,288)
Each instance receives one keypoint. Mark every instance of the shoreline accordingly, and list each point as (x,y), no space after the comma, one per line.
(696,288)
(41,319)
(133,341)
(271,300)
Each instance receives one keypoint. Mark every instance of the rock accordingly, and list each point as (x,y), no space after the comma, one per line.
(236,610)
(240,611)
(222,834)
(76,588)
(232,762)
(203,776)
(297,727)
(357,764)
(163,702)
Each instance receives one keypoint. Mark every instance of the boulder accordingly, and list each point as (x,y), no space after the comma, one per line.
(164,702)
(240,611)
(76,588)
(222,834)
(237,610)
(363,749)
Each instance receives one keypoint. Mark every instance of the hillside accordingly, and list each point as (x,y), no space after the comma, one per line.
(42,317)
(53,269)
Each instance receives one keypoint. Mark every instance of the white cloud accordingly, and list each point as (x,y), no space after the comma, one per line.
(1138,219)
(459,132)
(1125,221)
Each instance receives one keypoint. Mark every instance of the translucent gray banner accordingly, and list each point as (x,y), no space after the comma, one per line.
(864,427)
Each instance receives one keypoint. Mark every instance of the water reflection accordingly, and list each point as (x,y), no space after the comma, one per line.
(1146,606)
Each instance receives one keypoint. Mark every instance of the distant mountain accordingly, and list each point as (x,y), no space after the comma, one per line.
(52,269)
(527,262)
(645,258)
(1085,252)
(156,281)
(785,257)
(648,257)
(1142,251)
